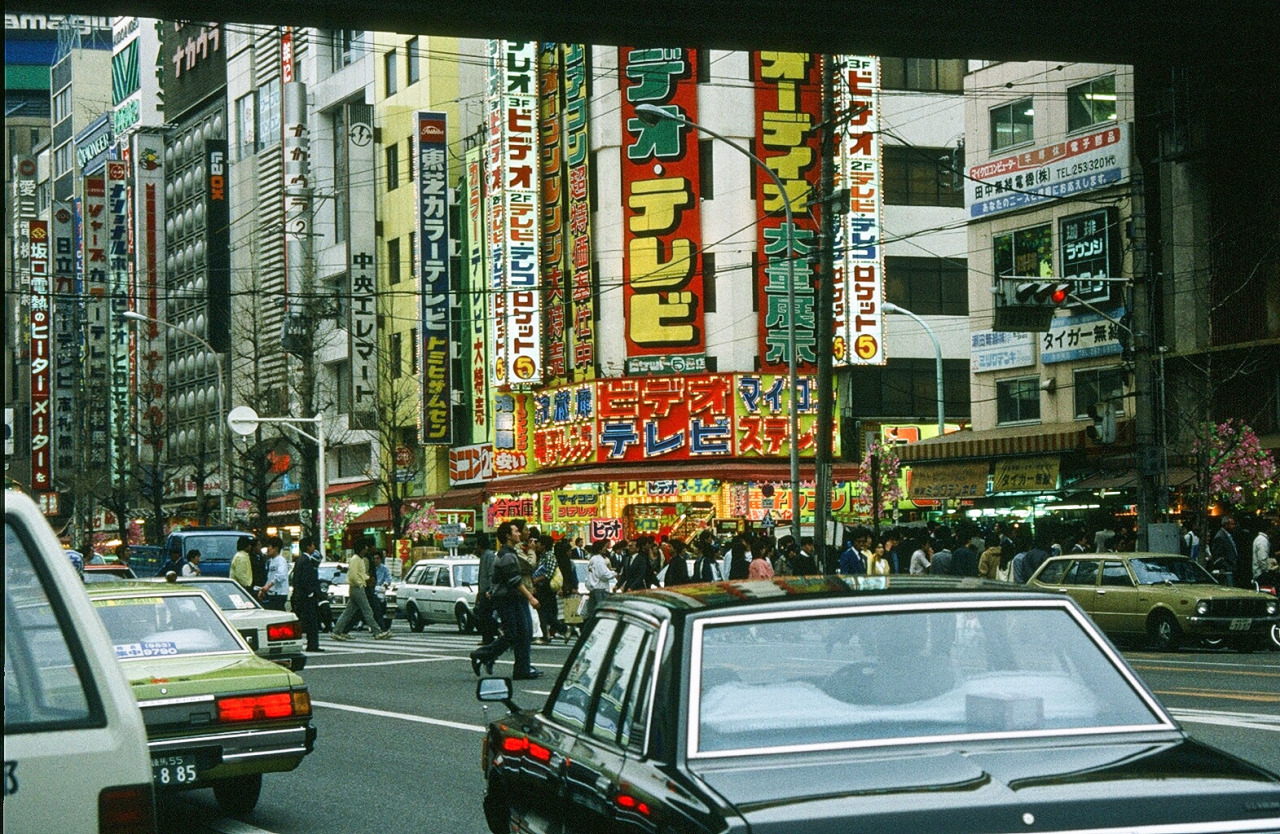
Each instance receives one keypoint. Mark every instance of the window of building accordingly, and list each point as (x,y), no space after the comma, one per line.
(62,159)
(338,290)
(341,173)
(908,389)
(411,262)
(62,105)
(409,160)
(353,461)
(706,170)
(393,166)
(246,126)
(395,354)
(920,177)
(413,351)
(1025,252)
(389,65)
(393,261)
(1096,385)
(928,286)
(1091,103)
(1018,400)
(1011,124)
(709,282)
(342,386)
(345,47)
(937,75)
(269,116)
(412,72)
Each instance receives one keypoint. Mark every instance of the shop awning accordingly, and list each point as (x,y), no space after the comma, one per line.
(292,503)
(1003,442)
(376,517)
(1127,479)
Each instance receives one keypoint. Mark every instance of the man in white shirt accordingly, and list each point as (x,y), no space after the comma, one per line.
(600,579)
(276,590)
(1261,551)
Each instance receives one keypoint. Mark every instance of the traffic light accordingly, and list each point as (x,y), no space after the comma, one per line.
(1103,429)
(1042,293)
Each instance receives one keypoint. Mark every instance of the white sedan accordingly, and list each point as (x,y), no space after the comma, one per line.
(274,635)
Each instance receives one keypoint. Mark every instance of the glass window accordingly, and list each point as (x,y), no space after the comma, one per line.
(62,105)
(889,675)
(571,703)
(345,48)
(164,626)
(342,386)
(921,177)
(1113,573)
(247,125)
(1011,124)
(341,175)
(940,75)
(1052,572)
(1158,570)
(393,166)
(393,261)
(269,115)
(412,72)
(928,286)
(1091,103)
(395,358)
(466,574)
(415,575)
(46,681)
(444,578)
(1097,385)
(389,65)
(228,596)
(908,388)
(1017,400)
(1025,252)
(413,351)
(1082,573)
(353,461)
(610,721)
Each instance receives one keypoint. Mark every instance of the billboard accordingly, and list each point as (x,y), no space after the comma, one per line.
(662,290)
(1091,249)
(577,161)
(120,333)
(362,263)
(788,101)
(552,181)
(95,232)
(193,65)
(433,277)
(218,245)
(66,335)
(40,345)
(477,297)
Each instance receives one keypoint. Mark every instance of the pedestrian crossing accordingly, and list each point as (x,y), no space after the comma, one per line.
(406,648)
(1244,720)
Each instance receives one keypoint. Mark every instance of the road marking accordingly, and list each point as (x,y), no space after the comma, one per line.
(229,826)
(1226,694)
(311,666)
(1239,671)
(1245,720)
(402,716)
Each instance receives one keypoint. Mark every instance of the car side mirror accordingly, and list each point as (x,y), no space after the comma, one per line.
(496,689)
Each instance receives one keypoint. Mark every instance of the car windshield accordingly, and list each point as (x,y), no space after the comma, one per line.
(229,596)
(885,676)
(167,625)
(1156,571)
(466,574)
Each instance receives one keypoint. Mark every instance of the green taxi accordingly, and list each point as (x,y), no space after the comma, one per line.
(217,715)
(1168,598)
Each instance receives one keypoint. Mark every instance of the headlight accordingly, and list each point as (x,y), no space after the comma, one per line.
(1202,607)
(1271,608)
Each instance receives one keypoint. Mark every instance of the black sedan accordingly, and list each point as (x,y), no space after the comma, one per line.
(869,704)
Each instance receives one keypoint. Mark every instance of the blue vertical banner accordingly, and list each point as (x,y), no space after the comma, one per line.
(433,277)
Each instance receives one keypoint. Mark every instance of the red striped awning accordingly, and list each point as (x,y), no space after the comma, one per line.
(1046,438)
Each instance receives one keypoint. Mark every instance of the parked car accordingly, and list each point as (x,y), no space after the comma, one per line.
(1164,597)
(843,703)
(274,635)
(217,715)
(1268,582)
(75,752)
(440,591)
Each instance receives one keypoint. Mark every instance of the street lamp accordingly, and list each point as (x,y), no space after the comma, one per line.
(890,307)
(243,420)
(222,438)
(651,114)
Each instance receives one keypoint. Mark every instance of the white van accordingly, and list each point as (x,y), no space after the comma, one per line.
(75,749)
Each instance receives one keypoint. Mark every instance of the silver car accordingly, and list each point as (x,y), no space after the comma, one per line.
(440,591)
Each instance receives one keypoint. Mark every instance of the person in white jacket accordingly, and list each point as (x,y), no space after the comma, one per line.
(600,578)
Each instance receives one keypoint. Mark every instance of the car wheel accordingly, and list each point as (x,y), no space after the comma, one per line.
(1214,642)
(415,620)
(1164,631)
(463,618)
(239,794)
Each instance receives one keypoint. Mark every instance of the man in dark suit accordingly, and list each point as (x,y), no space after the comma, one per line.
(1227,554)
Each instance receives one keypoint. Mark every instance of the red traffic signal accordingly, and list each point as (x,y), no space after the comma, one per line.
(1042,293)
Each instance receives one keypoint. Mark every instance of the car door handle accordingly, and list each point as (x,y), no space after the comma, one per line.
(1101,591)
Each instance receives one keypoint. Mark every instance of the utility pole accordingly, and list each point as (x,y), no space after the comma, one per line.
(823,318)
(1148,460)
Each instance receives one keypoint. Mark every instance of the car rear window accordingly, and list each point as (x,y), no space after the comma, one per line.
(874,677)
(229,596)
(165,626)
(1169,569)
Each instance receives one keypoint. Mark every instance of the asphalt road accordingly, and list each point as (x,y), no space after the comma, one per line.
(400,730)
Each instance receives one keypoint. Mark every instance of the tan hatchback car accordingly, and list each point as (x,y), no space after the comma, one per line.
(1168,598)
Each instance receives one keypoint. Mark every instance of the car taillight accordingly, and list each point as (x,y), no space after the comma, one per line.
(537,751)
(127,809)
(284,631)
(630,803)
(515,744)
(256,707)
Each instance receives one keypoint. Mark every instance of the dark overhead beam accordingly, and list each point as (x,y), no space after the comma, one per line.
(1110,31)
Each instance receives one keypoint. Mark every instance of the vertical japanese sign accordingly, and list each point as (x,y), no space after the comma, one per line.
(119,332)
(296,143)
(96,231)
(41,347)
(763,406)
(66,336)
(577,159)
(433,280)
(477,297)
(1090,245)
(551,173)
(218,243)
(510,434)
(859,278)
(495,217)
(788,95)
(362,315)
(665,417)
(662,282)
(564,425)
(514,212)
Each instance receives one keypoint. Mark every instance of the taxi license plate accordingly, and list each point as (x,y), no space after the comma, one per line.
(173,771)
(1241,624)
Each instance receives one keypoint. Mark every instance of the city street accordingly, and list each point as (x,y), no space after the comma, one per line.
(399,732)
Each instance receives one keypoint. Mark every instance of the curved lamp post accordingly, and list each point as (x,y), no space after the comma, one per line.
(222,435)
(651,114)
(889,307)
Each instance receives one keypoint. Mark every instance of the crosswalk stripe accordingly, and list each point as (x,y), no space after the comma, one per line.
(1244,720)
